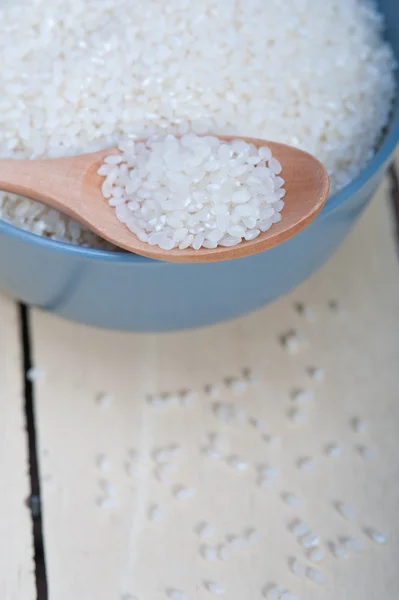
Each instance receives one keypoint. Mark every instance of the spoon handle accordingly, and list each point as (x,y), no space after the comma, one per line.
(56,182)
(47,181)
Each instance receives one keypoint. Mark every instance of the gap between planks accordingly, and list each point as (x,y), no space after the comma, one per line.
(35,498)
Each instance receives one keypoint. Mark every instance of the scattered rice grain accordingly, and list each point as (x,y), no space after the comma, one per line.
(163,472)
(297,415)
(315,575)
(212,390)
(292,499)
(306,463)
(316,554)
(35,373)
(177,595)
(224,552)
(302,396)
(252,536)
(104,400)
(187,398)
(205,530)
(345,510)
(288,596)
(238,463)
(299,528)
(338,550)
(365,452)
(351,544)
(103,462)
(214,588)
(293,341)
(256,423)
(209,553)
(273,592)
(183,493)
(272,440)
(297,568)
(316,373)
(305,311)
(310,541)
(359,425)
(155,513)
(333,450)
(375,535)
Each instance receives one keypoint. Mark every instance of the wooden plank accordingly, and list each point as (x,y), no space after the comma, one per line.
(16,550)
(107,548)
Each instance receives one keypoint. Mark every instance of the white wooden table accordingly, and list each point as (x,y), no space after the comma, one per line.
(93,539)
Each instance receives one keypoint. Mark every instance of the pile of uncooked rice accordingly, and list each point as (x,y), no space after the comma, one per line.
(194,191)
(80,76)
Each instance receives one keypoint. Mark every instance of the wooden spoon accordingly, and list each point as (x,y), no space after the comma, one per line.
(72,186)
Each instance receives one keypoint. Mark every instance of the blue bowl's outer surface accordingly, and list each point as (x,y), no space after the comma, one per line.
(123,291)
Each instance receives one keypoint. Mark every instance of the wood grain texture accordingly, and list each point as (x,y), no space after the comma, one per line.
(73,186)
(16,548)
(104,553)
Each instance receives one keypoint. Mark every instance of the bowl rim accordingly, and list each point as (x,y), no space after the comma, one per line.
(386,150)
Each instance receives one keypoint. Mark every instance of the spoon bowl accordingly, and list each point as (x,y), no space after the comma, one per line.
(73,186)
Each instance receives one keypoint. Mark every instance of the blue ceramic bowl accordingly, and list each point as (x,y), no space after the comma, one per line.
(128,292)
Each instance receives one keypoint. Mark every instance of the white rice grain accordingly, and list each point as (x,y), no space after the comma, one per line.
(252,536)
(272,440)
(187,398)
(316,373)
(238,463)
(306,463)
(177,595)
(183,493)
(161,455)
(310,541)
(107,502)
(302,396)
(205,530)
(359,425)
(365,452)
(273,592)
(315,575)
(375,535)
(299,528)
(103,462)
(333,450)
(351,544)
(297,568)
(155,513)
(209,553)
(288,596)
(292,499)
(104,400)
(164,471)
(213,453)
(35,373)
(338,551)
(212,390)
(258,424)
(224,552)
(214,588)
(293,341)
(297,415)
(316,554)
(345,510)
